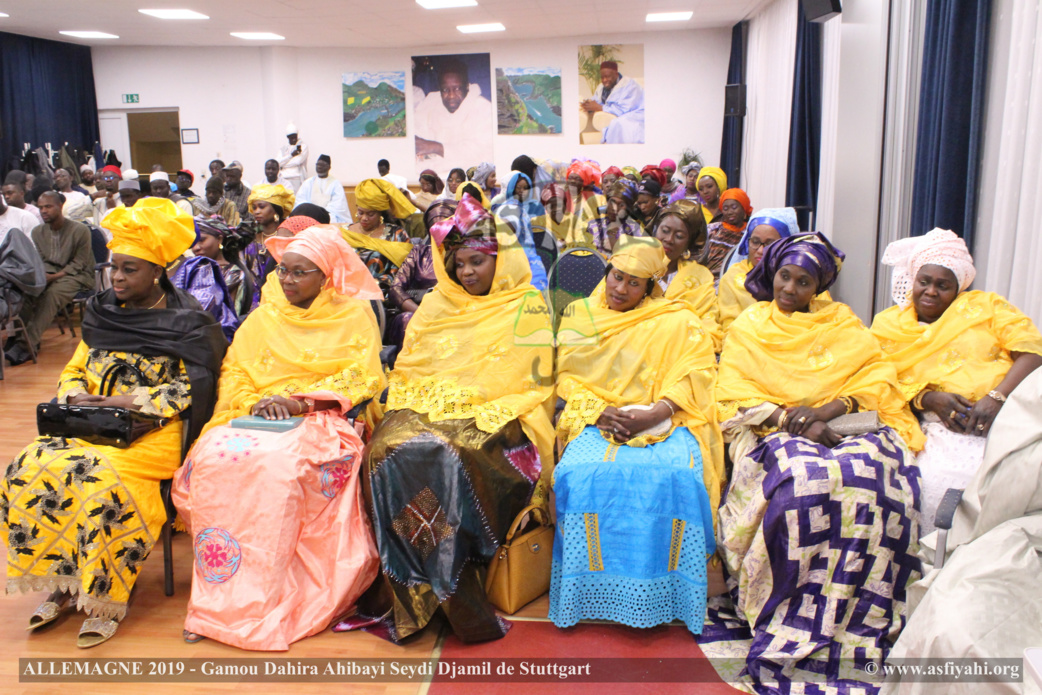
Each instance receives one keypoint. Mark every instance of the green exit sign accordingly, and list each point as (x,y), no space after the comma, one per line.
(131,99)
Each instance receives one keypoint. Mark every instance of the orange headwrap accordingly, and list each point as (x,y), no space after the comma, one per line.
(589,171)
(325,247)
(739,195)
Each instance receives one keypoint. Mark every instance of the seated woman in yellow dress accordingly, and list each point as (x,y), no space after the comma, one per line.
(818,532)
(282,544)
(642,473)
(958,355)
(81,518)
(766,227)
(467,435)
(682,232)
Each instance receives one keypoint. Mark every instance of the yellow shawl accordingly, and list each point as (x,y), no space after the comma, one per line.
(966,351)
(333,346)
(568,233)
(656,350)
(694,284)
(810,358)
(484,357)
(394,251)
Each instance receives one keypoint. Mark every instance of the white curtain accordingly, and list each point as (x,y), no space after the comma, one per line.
(831,35)
(904,72)
(770,64)
(1009,246)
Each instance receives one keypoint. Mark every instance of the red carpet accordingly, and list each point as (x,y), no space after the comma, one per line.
(622,660)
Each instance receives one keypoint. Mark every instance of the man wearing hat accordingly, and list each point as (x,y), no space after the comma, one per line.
(234,189)
(159,184)
(293,159)
(185,179)
(623,98)
(326,192)
(130,193)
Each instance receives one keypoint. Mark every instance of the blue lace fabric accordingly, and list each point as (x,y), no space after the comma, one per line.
(634,530)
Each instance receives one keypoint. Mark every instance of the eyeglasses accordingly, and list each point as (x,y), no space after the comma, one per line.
(297,274)
(755,243)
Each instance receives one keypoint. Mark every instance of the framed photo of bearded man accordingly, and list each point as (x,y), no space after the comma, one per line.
(611,94)
(452,111)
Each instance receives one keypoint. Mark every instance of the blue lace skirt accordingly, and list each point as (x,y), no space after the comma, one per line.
(634,529)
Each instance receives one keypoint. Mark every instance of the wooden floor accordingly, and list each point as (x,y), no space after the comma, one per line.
(153,624)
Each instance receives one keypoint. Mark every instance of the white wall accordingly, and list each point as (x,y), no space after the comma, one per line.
(241,99)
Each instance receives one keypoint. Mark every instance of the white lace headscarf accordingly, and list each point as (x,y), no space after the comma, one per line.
(937,247)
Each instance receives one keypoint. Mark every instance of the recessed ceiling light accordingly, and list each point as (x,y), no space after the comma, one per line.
(668,16)
(479,28)
(443,4)
(257,36)
(174,14)
(3,14)
(88,34)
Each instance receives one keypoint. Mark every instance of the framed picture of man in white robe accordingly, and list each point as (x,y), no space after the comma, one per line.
(452,111)
(611,94)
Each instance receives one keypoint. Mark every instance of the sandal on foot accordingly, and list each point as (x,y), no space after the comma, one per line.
(191,637)
(95,631)
(46,613)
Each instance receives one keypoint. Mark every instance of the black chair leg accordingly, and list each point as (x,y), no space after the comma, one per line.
(168,558)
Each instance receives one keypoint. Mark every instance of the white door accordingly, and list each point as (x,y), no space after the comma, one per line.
(115,135)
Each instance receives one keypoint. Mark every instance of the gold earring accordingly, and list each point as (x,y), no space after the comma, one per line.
(221,246)
(155,281)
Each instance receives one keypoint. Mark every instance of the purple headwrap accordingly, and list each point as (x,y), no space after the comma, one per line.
(812,252)
(625,189)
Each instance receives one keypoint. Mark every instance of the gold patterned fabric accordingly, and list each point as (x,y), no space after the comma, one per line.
(809,358)
(489,357)
(83,518)
(283,350)
(966,351)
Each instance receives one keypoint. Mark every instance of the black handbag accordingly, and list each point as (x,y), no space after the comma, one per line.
(98,424)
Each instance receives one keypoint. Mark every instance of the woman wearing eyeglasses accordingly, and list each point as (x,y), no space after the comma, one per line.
(282,544)
(768,226)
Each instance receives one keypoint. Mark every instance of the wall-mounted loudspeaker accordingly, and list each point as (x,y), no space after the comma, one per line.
(821,10)
(734,100)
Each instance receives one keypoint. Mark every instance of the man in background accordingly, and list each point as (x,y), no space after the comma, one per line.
(130,193)
(64,247)
(12,218)
(623,98)
(87,180)
(234,189)
(384,167)
(273,175)
(107,198)
(14,196)
(185,179)
(293,159)
(159,183)
(326,192)
(78,206)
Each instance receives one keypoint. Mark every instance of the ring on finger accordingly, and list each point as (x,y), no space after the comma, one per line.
(951,415)
(802,420)
(980,427)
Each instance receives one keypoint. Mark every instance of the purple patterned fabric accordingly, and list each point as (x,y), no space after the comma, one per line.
(202,278)
(812,252)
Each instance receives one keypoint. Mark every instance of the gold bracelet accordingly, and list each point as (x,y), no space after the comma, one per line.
(997,395)
(848,404)
(917,402)
(783,419)
(672,410)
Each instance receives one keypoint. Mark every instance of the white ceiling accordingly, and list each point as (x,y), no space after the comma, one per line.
(351,23)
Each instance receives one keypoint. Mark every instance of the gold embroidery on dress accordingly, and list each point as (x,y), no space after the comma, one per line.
(820,357)
(593,543)
(675,543)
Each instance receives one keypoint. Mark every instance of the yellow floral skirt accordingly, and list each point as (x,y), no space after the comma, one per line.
(83,518)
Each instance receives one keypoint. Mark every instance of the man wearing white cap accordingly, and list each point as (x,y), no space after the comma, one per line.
(293,159)
(159,182)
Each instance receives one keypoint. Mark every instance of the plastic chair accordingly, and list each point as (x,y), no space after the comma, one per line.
(574,276)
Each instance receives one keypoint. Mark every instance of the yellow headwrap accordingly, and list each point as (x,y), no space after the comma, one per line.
(715,173)
(640,256)
(378,194)
(276,195)
(154,230)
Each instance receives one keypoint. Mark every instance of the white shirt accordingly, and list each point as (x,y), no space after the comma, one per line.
(465,135)
(294,166)
(327,193)
(15,218)
(396,180)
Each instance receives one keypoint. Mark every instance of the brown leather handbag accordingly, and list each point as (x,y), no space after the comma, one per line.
(520,571)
